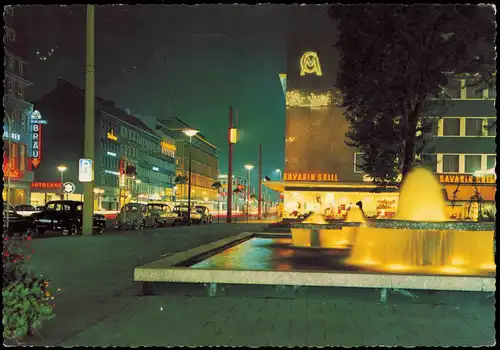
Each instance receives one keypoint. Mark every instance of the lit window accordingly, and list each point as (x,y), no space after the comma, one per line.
(20,92)
(451,127)
(452,90)
(472,163)
(473,92)
(491,161)
(492,127)
(473,127)
(430,161)
(450,163)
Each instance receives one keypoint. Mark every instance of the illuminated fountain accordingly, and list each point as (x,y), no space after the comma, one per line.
(420,240)
(316,232)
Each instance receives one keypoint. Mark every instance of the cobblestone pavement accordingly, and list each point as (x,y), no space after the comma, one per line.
(99,304)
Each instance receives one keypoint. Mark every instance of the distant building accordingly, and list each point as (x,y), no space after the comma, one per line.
(240,184)
(17,112)
(204,168)
(121,141)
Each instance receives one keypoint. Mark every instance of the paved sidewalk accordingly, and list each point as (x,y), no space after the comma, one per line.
(156,321)
(100,306)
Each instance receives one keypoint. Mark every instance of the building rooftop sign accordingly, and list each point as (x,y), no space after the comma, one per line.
(309,64)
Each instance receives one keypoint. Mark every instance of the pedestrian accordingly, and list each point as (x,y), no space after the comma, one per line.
(360,205)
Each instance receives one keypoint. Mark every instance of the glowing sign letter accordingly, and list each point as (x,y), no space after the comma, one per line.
(309,64)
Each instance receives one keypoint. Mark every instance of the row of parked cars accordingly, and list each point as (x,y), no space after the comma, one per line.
(138,215)
(66,216)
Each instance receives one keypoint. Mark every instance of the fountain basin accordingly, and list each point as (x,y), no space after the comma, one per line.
(337,235)
(425,247)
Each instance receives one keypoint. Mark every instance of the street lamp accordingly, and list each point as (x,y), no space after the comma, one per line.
(9,164)
(62,169)
(189,133)
(279,172)
(248,167)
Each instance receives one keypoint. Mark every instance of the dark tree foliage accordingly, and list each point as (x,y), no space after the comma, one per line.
(394,58)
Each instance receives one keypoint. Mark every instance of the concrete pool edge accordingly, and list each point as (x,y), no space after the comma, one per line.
(166,270)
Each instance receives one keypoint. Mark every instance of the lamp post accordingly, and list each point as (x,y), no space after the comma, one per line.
(137,182)
(62,169)
(279,173)
(248,167)
(8,164)
(190,133)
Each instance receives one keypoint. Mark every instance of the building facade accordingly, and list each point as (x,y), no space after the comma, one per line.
(463,150)
(121,142)
(17,134)
(204,164)
(320,173)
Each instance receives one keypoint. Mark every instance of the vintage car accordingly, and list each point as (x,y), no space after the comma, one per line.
(65,216)
(132,215)
(26,209)
(182,211)
(206,217)
(158,214)
(14,223)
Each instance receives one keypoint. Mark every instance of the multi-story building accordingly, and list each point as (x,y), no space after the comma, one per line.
(322,173)
(204,163)
(17,112)
(463,151)
(121,141)
(238,198)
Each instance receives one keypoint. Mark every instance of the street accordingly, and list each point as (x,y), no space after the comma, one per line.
(99,304)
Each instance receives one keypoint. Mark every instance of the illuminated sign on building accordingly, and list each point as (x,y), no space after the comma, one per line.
(461,178)
(46,185)
(13,135)
(111,154)
(111,172)
(12,173)
(36,118)
(295,98)
(233,135)
(36,144)
(309,177)
(167,146)
(155,168)
(111,135)
(309,64)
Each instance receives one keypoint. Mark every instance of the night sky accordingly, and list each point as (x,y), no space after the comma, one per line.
(192,62)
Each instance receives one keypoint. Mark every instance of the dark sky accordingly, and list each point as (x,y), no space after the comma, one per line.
(192,62)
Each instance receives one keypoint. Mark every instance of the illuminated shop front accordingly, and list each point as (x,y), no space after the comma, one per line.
(468,194)
(46,191)
(323,193)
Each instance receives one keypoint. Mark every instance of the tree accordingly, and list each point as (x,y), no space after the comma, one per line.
(393,60)
(180,180)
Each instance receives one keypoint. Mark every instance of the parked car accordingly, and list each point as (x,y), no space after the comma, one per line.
(182,211)
(206,217)
(39,208)
(158,214)
(65,216)
(17,224)
(132,215)
(26,209)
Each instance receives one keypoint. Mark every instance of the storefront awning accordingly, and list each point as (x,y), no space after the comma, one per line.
(282,186)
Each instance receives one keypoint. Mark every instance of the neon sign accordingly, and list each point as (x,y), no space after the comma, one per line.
(111,135)
(295,98)
(46,185)
(36,144)
(462,178)
(309,64)
(309,177)
(12,173)
(13,135)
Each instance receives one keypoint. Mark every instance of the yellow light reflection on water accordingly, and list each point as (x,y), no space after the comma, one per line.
(452,269)
(397,267)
